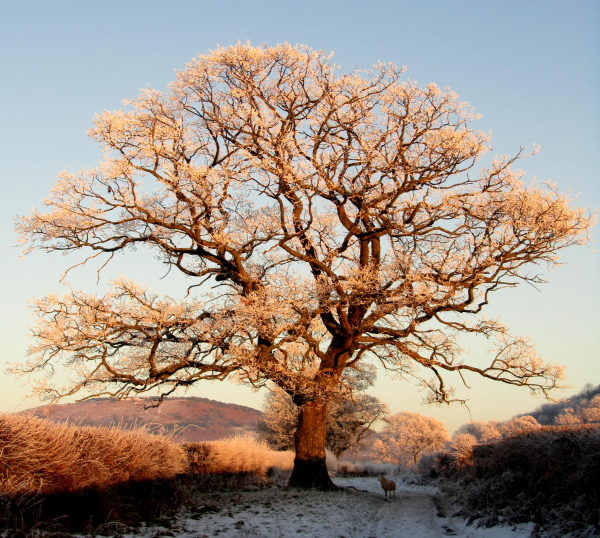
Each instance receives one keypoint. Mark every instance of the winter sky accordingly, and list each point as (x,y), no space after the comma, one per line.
(531,68)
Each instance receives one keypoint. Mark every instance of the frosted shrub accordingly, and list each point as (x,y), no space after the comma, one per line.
(483,432)
(518,424)
(462,448)
(486,432)
(548,474)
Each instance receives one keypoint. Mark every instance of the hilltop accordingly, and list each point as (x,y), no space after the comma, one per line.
(548,414)
(193,418)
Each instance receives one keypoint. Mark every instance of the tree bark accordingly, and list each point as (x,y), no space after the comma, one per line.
(310,469)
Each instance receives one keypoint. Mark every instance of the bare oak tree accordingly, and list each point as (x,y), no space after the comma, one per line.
(339,214)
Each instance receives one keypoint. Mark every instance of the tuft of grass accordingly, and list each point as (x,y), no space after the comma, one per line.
(241,454)
(40,456)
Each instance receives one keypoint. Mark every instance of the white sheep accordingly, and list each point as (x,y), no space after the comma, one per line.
(387,485)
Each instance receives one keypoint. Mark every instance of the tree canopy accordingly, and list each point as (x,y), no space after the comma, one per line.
(337,217)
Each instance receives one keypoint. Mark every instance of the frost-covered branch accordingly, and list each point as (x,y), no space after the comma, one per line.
(342,213)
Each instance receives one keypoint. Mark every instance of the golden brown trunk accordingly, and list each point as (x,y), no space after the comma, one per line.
(310,469)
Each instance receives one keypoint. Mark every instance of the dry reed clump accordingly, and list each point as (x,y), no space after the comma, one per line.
(37,455)
(239,454)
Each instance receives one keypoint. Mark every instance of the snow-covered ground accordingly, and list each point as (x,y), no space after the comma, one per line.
(416,512)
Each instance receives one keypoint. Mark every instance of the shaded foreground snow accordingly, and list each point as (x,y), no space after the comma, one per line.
(416,512)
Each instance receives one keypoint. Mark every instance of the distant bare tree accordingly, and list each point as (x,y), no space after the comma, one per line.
(279,422)
(349,418)
(408,435)
(337,217)
(349,422)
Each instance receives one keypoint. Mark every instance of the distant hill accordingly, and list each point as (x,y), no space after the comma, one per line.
(193,419)
(547,413)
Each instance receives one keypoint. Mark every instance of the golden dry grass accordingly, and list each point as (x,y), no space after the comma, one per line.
(39,455)
(239,454)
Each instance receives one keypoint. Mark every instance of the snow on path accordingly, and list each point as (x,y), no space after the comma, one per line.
(410,513)
(419,511)
(407,515)
(363,512)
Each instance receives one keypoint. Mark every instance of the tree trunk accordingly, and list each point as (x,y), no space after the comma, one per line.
(310,469)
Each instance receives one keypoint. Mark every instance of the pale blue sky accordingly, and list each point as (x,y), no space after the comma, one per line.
(531,68)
